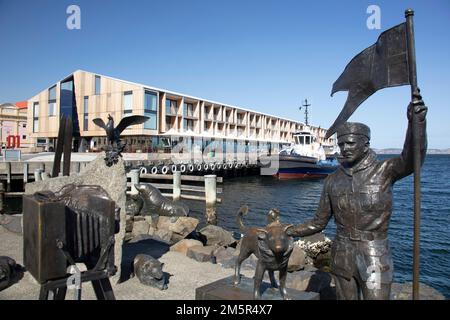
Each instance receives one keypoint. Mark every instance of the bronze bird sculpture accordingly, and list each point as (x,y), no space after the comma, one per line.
(115,145)
(113,134)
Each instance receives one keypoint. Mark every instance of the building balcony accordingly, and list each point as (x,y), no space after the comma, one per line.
(170,111)
(189,114)
(190,117)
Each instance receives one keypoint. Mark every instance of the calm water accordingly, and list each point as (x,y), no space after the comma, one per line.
(297,201)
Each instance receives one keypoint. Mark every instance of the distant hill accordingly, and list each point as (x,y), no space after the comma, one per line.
(398,151)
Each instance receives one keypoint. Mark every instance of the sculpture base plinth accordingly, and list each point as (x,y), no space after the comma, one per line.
(224,289)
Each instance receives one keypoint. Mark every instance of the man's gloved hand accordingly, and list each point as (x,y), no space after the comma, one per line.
(419,108)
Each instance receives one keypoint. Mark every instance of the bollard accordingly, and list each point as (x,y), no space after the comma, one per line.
(210,189)
(2,196)
(37,175)
(134,174)
(176,185)
(8,176)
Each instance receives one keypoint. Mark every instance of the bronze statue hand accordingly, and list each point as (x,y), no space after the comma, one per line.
(419,108)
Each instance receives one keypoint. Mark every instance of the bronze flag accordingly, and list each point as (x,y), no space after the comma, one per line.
(383,64)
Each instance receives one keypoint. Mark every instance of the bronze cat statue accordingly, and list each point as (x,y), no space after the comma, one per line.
(7,269)
(149,271)
(271,245)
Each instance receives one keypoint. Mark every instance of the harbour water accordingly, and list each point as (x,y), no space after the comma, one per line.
(297,201)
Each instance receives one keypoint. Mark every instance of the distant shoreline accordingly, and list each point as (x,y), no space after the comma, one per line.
(398,151)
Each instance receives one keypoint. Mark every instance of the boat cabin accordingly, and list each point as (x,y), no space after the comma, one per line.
(304,138)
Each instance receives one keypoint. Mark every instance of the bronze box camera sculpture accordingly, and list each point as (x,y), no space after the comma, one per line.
(75,225)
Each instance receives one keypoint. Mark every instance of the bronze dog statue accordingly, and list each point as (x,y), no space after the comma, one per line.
(271,245)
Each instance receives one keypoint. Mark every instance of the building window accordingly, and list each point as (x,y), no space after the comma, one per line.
(188,124)
(24,125)
(216,115)
(97,85)
(188,110)
(168,124)
(150,109)
(66,101)
(127,103)
(171,107)
(35,116)
(24,137)
(240,118)
(52,101)
(86,113)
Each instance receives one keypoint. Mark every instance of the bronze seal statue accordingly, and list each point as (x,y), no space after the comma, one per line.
(156,203)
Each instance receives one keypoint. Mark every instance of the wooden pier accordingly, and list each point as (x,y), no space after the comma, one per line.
(182,186)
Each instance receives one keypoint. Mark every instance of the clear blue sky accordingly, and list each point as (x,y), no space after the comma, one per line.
(261,55)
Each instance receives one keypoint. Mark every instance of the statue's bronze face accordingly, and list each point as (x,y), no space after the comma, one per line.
(353,147)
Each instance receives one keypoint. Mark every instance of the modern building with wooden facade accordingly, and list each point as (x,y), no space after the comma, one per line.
(173,117)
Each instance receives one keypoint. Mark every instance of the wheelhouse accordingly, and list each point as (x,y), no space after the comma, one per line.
(304,138)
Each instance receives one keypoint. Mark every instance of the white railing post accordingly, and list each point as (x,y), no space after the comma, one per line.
(37,175)
(134,174)
(25,173)
(211,189)
(176,185)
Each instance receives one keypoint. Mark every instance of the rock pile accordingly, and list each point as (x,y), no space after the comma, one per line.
(166,229)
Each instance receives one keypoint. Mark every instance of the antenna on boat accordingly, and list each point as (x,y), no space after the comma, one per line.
(306,105)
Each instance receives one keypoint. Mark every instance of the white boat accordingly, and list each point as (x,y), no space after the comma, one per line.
(306,158)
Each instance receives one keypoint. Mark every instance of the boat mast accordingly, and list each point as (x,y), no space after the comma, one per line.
(306,105)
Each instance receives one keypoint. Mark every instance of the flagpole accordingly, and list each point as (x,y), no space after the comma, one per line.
(409,13)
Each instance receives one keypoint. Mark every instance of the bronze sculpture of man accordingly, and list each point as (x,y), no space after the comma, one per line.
(359,196)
